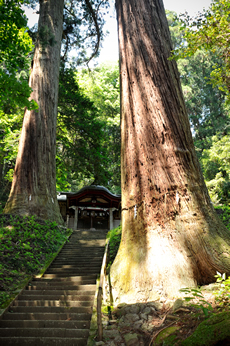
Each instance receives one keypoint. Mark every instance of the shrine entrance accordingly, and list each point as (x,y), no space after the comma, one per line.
(92,207)
(98,219)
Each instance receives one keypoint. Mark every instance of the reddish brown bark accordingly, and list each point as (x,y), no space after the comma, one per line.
(33,189)
(171,236)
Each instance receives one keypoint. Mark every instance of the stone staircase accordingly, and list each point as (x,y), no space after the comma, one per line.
(56,309)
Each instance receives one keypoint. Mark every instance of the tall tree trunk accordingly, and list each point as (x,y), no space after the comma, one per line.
(33,190)
(171,237)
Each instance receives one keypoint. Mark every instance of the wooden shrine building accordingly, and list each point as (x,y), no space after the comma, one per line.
(92,207)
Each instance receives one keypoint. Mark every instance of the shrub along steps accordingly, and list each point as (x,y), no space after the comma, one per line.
(56,309)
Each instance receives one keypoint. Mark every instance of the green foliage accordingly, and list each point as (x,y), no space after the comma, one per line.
(80,155)
(10,126)
(195,294)
(15,46)
(88,128)
(83,23)
(26,244)
(210,30)
(223,294)
(224,214)
(206,104)
(216,168)
(177,35)
(114,237)
(101,85)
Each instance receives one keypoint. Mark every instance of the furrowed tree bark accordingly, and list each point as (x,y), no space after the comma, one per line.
(33,190)
(171,235)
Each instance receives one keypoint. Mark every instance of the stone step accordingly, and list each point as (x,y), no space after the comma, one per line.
(71,272)
(78,296)
(52,270)
(59,275)
(80,256)
(46,283)
(52,303)
(50,291)
(76,257)
(75,265)
(74,279)
(83,249)
(43,286)
(88,244)
(48,316)
(82,252)
(85,246)
(70,285)
(56,309)
(33,341)
(84,243)
(72,261)
(45,324)
(44,332)
(80,260)
(50,309)
(68,278)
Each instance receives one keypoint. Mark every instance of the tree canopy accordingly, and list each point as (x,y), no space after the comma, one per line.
(15,48)
(88,131)
(202,53)
(80,153)
(101,85)
(210,30)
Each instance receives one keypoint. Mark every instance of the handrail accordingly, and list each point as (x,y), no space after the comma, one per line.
(100,292)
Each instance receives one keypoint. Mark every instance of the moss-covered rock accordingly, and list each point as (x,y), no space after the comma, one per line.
(211,331)
(164,334)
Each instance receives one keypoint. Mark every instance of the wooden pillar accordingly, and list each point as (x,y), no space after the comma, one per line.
(67,221)
(91,220)
(110,218)
(75,218)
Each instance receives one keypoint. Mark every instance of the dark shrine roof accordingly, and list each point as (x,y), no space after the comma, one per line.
(92,191)
(95,188)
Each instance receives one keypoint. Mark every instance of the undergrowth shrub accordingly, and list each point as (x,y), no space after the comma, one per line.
(223,212)
(222,295)
(194,296)
(26,245)
(114,237)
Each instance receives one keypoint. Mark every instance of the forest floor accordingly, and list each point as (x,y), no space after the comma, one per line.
(27,246)
(202,321)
